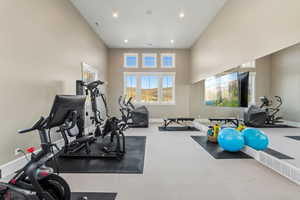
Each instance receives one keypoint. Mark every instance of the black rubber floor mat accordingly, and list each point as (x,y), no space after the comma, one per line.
(277,154)
(132,162)
(93,196)
(294,137)
(277,126)
(177,128)
(217,152)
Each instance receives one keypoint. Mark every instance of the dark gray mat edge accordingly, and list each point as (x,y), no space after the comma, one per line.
(177,129)
(277,154)
(94,195)
(216,152)
(101,166)
(294,137)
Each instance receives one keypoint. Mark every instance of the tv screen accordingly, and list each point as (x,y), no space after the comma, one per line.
(230,90)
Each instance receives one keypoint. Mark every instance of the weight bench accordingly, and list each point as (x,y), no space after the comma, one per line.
(179,121)
(226,120)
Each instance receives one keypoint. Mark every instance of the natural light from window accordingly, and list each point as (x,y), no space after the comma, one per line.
(167,60)
(167,89)
(150,88)
(131,86)
(149,61)
(131,60)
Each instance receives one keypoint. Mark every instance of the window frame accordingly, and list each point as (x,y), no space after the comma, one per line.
(252,77)
(152,55)
(250,64)
(162,55)
(138,88)
(125,60)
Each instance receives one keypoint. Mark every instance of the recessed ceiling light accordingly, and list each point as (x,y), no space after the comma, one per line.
(181,15)
(126,41)
(172,41)
(115,15)
(149,12)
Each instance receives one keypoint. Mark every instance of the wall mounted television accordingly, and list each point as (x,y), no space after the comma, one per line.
(229,90)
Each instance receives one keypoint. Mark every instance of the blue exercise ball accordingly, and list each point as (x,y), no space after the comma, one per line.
(231,140)
(255,138)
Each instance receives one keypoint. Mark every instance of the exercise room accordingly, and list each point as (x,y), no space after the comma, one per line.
(144,100)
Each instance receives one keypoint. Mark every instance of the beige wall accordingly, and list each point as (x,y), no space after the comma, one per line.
(115,79)
(244,31)
(197,94)
(286,81)
(42,44)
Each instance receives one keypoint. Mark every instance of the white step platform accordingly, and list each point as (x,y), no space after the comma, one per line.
(289,168)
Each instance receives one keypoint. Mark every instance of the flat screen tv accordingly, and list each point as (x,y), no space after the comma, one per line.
(230,90)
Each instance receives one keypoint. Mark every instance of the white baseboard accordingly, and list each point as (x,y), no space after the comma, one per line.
(14,165)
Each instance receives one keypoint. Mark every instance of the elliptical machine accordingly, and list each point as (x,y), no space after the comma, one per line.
(264,115)
(271,111)
(138,116)
(35,181)
(95,144)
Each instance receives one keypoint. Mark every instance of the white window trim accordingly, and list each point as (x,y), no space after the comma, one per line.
(173,55)
(252,76)
(251,64)
(138,89)
(125,60)
(152,55)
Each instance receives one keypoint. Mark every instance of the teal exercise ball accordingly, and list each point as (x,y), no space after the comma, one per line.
(255,138)
(231,140)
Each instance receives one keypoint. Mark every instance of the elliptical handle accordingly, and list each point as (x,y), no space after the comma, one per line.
(129,103)
(120,100)
(37,125)
(278,98)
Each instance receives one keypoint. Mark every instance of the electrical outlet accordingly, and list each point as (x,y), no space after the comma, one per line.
(17,151)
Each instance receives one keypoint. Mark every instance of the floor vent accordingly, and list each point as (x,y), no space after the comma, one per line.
(282,167)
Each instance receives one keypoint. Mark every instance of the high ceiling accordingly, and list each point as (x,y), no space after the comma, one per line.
(149,23)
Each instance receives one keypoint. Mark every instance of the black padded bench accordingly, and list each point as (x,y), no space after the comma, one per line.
(179,121)
(226,120)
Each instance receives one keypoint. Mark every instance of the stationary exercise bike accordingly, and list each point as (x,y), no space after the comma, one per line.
(35,181)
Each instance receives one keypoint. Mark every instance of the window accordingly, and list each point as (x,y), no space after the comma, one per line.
(149,60)
(167,89)
(168,60)
(131,60)
(150,88)
(131,86)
